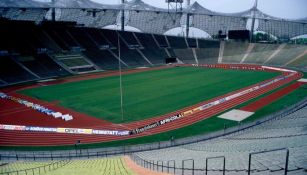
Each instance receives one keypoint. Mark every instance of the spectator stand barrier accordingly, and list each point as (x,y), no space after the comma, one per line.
(191,169)
(184,169)
(160,164)
(169,167)
(268,151)
(218,157)
(40,169)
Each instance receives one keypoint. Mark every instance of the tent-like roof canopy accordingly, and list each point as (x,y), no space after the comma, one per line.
(22,3)
(198,9)
(195,8)
(140,5)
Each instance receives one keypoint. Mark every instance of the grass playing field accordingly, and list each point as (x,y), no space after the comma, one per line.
(147,94)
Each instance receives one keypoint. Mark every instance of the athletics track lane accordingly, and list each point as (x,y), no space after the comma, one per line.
(271,98)
(36,138)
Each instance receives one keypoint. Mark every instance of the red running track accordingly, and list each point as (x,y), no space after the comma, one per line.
(271,98)
(16,114)
(22,138)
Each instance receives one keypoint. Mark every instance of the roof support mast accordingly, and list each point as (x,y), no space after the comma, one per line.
(122,20)
(53,11)
(170,2)
(253,20)
(187,20)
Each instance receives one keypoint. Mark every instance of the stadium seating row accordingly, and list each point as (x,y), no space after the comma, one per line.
(285,132)
(43,56)
(113,165)
(55,49)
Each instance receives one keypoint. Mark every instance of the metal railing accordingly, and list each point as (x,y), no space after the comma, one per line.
(39,169)
(269,151)
(217,157)
(161,167)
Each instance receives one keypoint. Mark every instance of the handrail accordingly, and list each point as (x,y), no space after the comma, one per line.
(216,157)
(267,151)
(61,163)
(140,161)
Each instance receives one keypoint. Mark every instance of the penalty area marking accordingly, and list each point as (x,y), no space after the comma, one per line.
(236,115)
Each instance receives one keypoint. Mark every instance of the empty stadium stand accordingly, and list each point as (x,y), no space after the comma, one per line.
(260,53)
(177,42)
(22,41)
(207,43)
(129,54)
(105,59)
(61,48)
(207,51)
(111,36)
(161,41)
(33,48)
(207,55)
(192,42)
(83,38)
(129,39)
(300,62)
(284,132)
(50,31)
(113,165)
(151,50)
(12,72)
(42,65)
(234,52)
(132,58)
(97,36)
(288,53)
(155,56)
(185,55)
(65,35)
(19,166)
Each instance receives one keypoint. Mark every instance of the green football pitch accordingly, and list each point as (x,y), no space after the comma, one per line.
(147,94)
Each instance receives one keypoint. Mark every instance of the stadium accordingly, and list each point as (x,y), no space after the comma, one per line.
(131,88)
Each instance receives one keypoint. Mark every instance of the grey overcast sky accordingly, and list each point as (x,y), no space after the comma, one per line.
(291,9)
